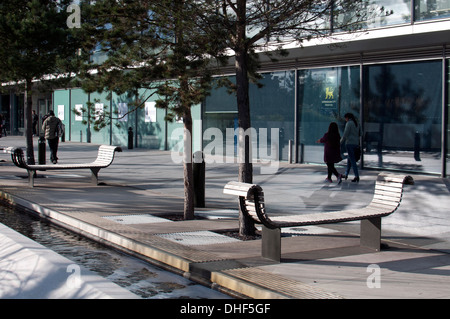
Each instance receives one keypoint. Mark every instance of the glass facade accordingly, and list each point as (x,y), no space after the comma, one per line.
(220,111)
(271,108)
(324,96)
(447,123)
(380,13)
(375,13)
(398,104)
(149,128)
(403,116)
(391,12)
(431,9)
(400,107)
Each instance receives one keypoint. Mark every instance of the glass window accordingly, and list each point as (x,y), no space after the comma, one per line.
(220,100)
(448,122)
(373,14)
(431,9)
(325,95)
(403,116)
(271,108)
(220,111)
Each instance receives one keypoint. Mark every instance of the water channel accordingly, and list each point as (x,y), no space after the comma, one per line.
(139,277)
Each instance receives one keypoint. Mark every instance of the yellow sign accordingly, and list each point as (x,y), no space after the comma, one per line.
(329,93)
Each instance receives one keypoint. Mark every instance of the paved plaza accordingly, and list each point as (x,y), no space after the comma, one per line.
(142,188)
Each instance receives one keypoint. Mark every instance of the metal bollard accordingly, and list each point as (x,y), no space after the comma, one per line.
(302,153)
(417,146)
(199,179)
(63,136)
(290,152)
(130,138)
(41,150)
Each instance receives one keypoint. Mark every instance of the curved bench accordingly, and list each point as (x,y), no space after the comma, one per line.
(386,200)
(105,157)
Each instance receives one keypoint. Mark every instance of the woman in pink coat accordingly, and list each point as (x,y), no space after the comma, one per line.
(332,151)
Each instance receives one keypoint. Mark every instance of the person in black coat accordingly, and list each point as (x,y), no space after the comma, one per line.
(332,151)
(51,133)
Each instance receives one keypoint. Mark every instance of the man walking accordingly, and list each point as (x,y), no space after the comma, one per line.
(52,127)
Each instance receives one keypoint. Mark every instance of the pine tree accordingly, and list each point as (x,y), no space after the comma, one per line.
(36,43)
(162,46)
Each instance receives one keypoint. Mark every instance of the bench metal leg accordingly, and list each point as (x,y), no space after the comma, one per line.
(371,233)
(271,243)
(94,177)
(31,177)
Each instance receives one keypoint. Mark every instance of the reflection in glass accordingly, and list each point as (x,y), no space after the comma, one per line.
(220,111)
(325,95)
(431,9)
(448,122)
(402,116)
(374,14)
(271,107)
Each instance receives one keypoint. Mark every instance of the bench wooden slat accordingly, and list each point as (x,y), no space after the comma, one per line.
(251,201)
(232,188)
(384,210)
(387,192)
(385,203)
(66,166)
(327,217)
(238,185)
(391,178)
(390,183)
(388,188)
(229,191)
(387,197)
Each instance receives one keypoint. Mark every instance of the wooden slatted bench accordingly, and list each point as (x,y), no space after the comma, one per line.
(105,157)
(387,197)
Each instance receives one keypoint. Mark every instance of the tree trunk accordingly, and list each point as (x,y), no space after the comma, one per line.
(29,122)
(246,225)
(185,104)
(187,167)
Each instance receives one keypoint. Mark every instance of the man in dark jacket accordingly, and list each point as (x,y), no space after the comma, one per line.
(50,128)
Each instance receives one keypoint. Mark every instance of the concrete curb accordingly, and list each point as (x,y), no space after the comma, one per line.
(215,280)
